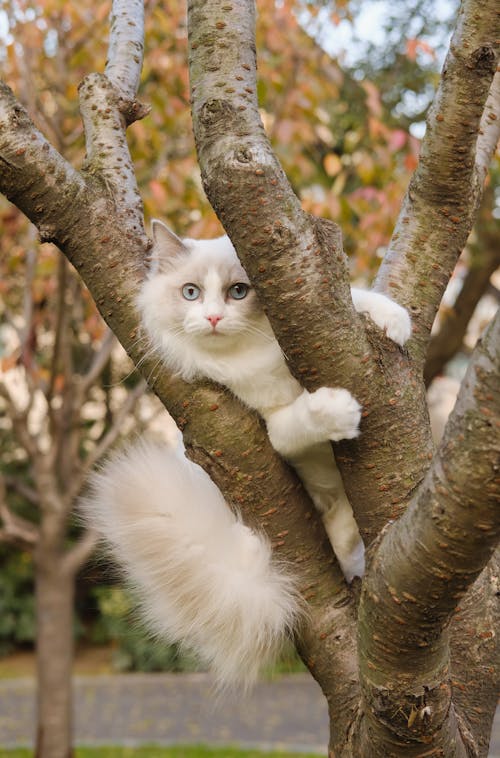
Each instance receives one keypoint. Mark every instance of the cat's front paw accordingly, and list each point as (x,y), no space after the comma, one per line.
(397,325)
(393,319)
(388,315)
(336,412)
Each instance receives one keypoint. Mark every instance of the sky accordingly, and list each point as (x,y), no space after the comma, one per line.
(347,41)
(3,25)
(368,27)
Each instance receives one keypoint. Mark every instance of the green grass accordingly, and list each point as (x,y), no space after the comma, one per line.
(195,751)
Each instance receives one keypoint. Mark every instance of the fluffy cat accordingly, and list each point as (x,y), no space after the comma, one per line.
(202,315)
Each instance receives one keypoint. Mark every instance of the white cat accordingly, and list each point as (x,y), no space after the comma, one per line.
(202,315)
(204,318)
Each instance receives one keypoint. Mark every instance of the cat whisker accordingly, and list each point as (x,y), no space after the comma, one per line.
(251,329)
(143,337)
(153,369)
(135,368)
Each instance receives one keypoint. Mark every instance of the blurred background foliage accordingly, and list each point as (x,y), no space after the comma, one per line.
(346,134)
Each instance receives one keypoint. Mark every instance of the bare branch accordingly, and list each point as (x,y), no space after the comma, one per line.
(106,145)
(15,528)
(428,560)
(77,556)
(99,362)
(20,486)
(489,131)
(483,255)
(126,47)
(475,656)
(440,206)
(31,258)
(106,442)
(295,262)
(19,420)
(34,176)
(445,344)
(298,268)
(110,437)
(62,272)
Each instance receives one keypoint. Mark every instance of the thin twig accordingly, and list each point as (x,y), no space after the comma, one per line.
(78,554)
(62,268)
(107,441)
(15,528)
(17,484)
(19,420)
(99,362)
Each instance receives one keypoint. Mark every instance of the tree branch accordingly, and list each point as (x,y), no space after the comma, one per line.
(15,528)
(19,419)
(475,657)
(26,332)
(295,262)
(298,268)
(106,442)
(440,206)
(489,131)
(126,51)
(20,486)
(34,176)
(79,553)
(426,563)
(106,146)
(99,362)
(60,325)
(484,255)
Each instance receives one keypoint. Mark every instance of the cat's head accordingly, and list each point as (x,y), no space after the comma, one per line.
(199,291)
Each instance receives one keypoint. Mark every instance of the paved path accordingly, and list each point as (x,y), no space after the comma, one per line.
(133,709)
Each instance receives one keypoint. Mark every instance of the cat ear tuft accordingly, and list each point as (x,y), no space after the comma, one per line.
(167,245)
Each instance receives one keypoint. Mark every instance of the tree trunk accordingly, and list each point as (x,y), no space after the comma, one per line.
(54,591)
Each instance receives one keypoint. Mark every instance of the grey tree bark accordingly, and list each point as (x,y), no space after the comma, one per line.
(396,680)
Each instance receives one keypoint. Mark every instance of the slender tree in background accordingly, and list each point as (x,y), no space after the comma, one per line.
(412,668)
(61,422)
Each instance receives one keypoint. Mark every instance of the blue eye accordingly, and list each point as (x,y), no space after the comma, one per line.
(190,291)
(238,291)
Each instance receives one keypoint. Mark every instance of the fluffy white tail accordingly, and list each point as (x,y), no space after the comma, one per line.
(203,578)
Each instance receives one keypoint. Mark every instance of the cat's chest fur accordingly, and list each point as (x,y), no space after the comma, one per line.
(258,375)
(253,369)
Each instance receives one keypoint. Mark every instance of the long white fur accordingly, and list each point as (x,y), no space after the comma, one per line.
(203,578)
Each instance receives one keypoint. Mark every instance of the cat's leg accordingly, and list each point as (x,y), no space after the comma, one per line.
(326,414)
(388,315)
(321,477)
(345,539)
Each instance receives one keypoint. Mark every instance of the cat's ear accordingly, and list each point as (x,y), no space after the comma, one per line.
(167,246)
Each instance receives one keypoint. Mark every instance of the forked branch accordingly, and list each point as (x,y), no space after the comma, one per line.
(440,205)
(427,562)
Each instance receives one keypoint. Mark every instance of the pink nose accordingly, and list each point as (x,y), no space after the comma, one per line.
(214,320)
